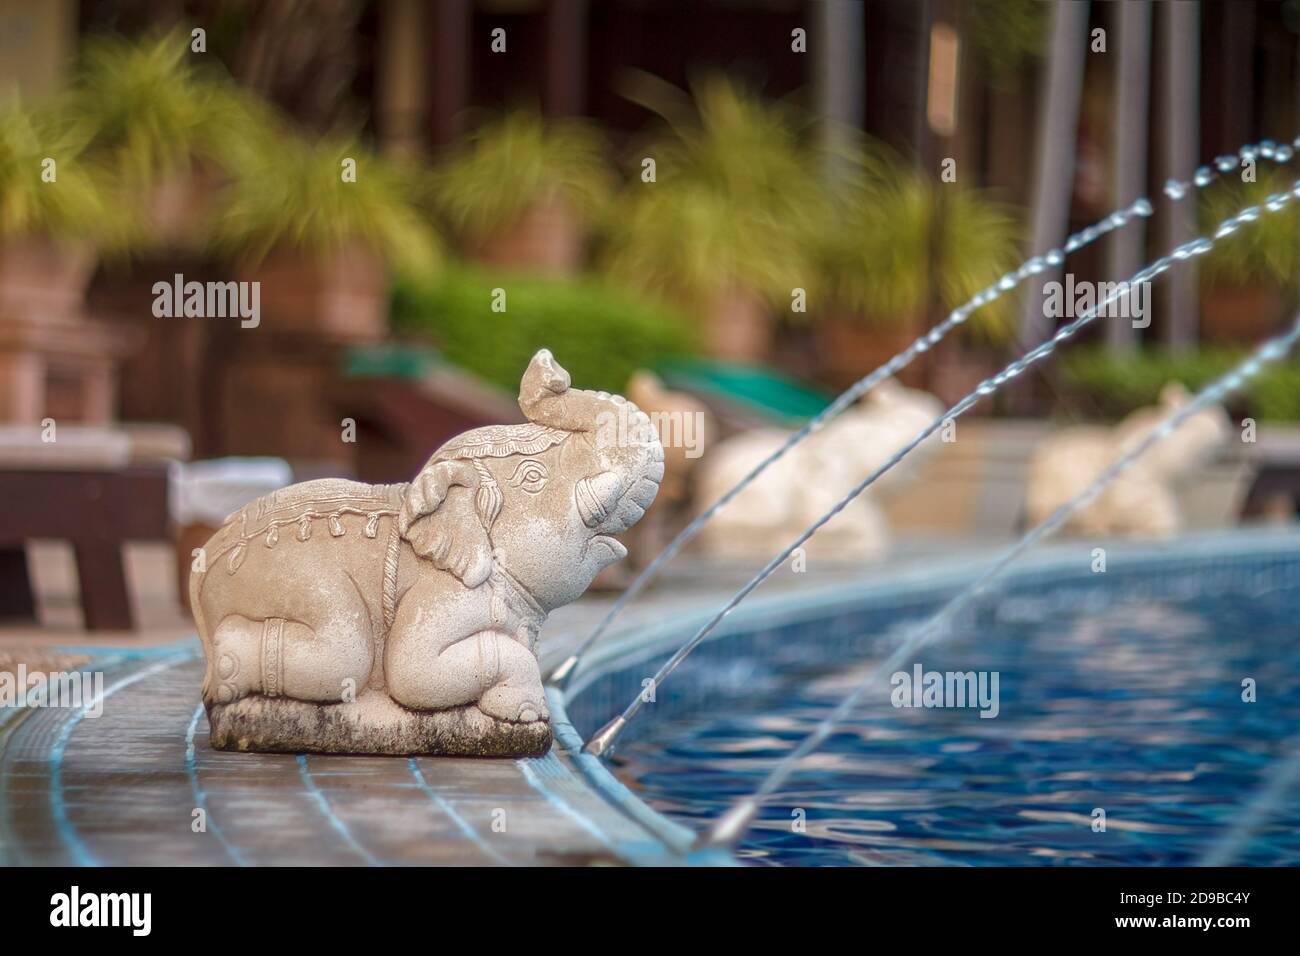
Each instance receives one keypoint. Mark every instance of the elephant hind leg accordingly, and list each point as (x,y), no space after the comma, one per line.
(283,658)
(490,669)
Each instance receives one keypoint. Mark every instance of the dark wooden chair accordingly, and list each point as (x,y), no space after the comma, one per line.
(97,511)
(1277,473)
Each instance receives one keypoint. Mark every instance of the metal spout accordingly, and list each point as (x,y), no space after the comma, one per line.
(560,676)
(731,826)
(602,741)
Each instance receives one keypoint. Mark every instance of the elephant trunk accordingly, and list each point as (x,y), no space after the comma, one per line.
(610,503)
(612,500)
(546,398)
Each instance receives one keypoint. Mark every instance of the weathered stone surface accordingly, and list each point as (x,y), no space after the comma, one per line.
(373,724)
(429,595)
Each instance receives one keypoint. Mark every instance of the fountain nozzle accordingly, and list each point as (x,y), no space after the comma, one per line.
(560,676)
(731,826)
(602,741)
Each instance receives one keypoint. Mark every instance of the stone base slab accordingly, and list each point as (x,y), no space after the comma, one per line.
(374,724)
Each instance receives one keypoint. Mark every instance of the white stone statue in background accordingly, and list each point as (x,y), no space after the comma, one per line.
(343,617)
(1141,502)
(686,430)
(807,482)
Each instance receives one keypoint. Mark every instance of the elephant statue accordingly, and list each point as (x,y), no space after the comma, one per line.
(1141,501)
(812,477)
(342,617)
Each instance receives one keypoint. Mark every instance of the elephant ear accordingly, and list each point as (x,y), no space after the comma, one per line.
(444,526)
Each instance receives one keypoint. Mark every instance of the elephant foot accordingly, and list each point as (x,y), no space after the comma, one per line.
(234,662)
(248,657)
(490,670)
(517,705)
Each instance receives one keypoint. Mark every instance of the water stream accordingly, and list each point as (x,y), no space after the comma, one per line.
(732,824)
(1174,189)
(603,739)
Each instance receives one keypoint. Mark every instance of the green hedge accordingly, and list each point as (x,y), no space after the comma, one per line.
(599,333)
(1116,386)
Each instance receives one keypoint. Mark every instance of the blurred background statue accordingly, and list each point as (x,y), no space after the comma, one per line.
(806,482)
(1142,501)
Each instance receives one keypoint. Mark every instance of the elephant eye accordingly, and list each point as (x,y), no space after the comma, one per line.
(530,475)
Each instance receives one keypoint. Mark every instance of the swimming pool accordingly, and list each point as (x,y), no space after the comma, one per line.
(1119,701)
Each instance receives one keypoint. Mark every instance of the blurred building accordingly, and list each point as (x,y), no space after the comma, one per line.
(1021,94)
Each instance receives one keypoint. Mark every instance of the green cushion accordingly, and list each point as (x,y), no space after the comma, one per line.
(755,387)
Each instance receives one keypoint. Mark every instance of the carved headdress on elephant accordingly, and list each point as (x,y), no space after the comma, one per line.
(590,463)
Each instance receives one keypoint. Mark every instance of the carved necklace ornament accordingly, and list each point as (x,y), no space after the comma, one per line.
(404,619)
(514,610)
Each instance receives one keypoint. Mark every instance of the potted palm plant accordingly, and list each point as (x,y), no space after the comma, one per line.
(903,252)
(519,191)
(164,122)
(1248,279)
(51,213)
(318,240)
(727,230)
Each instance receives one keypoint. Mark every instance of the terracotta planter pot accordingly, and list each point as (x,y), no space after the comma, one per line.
(739,327)
(1237,314)
(851,346)
(344,295)
(41,278)
(549,237)
(181,206)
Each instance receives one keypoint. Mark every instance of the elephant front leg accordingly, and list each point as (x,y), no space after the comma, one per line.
(489,668)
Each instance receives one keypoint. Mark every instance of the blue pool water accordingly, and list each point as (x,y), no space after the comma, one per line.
(1133,706)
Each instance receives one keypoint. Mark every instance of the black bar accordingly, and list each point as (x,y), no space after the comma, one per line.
(976,906)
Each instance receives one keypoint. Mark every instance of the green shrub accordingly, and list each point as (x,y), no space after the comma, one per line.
(601,334)
(286,191)
(890,223)
(150,108)
(497,171)
(738,201)
(1267,251)
(1275,394)
(1115,386)
(74,205)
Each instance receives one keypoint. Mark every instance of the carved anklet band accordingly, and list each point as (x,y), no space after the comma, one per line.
(272,656)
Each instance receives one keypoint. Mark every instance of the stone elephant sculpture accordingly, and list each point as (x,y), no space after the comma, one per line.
(1141,501)
(343,617)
